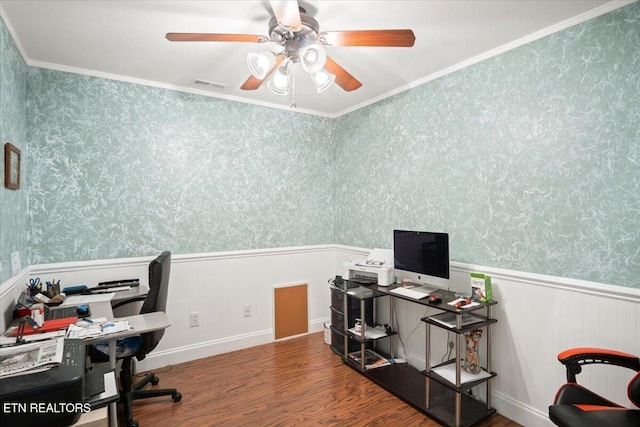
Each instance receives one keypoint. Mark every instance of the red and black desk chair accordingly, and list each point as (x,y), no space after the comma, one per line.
(577,406)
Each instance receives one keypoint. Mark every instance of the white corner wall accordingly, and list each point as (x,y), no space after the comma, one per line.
(538,316)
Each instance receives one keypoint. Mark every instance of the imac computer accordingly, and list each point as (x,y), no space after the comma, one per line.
(422,257)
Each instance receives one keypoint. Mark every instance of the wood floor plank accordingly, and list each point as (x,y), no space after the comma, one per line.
(298,382)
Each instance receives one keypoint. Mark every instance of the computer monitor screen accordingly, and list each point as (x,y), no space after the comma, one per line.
(422,257)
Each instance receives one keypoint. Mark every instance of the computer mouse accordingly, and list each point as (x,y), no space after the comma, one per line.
(434,299)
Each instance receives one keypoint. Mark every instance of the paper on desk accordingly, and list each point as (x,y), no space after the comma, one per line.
(379,258)
(7,338)
(21,358)
(96,329)
(87,299)
(84,332)
(115,326)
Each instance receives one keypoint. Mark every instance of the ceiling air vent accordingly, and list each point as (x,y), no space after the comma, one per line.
(205,84)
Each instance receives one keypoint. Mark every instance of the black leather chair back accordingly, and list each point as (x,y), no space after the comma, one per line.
(156,300)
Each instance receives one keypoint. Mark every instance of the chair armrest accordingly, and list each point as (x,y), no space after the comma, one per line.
(128,301)
(574,358)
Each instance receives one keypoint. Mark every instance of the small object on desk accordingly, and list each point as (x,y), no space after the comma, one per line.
(34,286)
(434,299)
(463,303)
(37,314)
(481,287)
(118,283)
(83,311)
(57,299)
(41,298)
(72,290)
(105,290)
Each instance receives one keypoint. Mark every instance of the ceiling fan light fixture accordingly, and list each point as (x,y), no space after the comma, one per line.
(279,83)
(322,80)
(260,63)
(313,58)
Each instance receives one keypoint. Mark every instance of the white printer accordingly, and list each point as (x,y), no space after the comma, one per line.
(377,268)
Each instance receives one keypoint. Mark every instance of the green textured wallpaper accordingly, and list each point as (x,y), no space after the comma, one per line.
(530,160)
(13,128)
(129,170)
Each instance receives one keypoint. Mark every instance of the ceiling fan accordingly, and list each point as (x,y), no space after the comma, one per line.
(299,36)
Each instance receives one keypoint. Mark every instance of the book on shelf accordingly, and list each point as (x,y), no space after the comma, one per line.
(371,359)
(448,319)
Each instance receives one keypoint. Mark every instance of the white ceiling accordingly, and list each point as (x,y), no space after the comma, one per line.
(125,40)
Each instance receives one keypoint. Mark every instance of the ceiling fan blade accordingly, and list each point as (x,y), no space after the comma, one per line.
(382,38)
(253,83)
(343,79)
(209,37)
(287,13)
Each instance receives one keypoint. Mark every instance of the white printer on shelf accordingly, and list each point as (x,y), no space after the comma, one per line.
(377,268)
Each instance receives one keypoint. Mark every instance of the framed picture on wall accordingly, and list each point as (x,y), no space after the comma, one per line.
(11,166)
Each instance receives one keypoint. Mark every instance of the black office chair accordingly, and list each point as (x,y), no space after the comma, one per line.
(577,406)
(140,346)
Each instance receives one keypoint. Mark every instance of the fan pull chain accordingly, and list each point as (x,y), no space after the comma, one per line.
(293,88)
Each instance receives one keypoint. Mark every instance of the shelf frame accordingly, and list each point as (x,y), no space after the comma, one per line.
(447,403)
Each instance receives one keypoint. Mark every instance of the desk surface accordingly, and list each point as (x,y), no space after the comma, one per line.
(140,323)
(135,291)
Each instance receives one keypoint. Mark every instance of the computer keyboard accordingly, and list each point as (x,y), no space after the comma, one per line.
(408,292)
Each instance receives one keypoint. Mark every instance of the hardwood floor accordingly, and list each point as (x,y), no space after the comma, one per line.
(298,382)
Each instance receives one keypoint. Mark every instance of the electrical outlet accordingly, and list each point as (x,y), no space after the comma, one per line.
(194,318)
(247,310)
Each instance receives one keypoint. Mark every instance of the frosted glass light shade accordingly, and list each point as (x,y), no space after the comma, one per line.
(279,83)
(313,58)
(322,80)
(260,63)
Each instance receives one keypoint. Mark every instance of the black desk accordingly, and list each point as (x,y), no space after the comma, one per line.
(444,399)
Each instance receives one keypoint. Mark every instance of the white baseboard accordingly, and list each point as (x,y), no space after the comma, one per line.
(517,411)
(161,358)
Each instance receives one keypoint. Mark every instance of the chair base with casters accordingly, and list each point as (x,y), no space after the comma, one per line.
(129,391)
(134,392)
(577,406)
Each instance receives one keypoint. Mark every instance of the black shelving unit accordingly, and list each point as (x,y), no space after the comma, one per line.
(448,402)
(463,409)
(350,303)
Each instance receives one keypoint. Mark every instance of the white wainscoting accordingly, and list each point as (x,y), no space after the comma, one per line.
(538,316)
